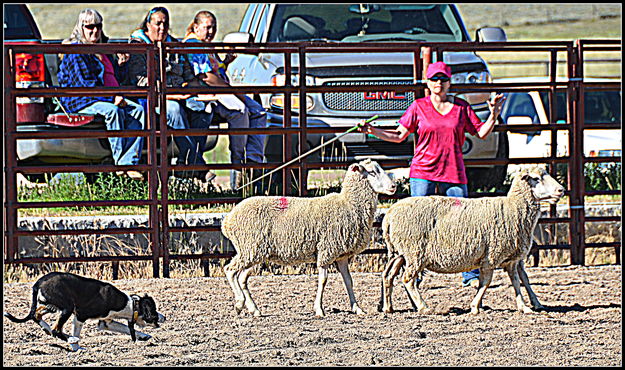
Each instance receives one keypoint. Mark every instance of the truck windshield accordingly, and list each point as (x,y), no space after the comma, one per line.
(599,106)
(366,22)
(17,25)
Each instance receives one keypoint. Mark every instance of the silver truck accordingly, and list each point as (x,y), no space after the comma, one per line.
(343,23)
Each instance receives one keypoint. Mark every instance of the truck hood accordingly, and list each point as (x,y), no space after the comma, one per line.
(459,61)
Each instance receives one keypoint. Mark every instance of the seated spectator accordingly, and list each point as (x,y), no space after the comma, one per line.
(97,70)
(180,113)
(239,110)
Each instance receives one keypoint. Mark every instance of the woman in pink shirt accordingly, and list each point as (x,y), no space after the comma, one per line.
(440,122)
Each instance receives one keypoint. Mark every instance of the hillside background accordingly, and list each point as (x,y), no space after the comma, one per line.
(550,21)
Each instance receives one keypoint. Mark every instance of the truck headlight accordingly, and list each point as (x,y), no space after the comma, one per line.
(278,102)
(471,78)
(280,80)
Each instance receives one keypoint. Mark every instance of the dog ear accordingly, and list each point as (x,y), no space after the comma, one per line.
(356,167)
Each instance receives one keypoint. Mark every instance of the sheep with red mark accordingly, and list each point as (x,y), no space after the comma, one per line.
(293,230)
(451,235)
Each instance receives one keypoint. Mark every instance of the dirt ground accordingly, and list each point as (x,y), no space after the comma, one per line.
(582,325)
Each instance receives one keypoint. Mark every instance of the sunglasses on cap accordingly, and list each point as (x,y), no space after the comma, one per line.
(92,26)
(439,78)
(158,9)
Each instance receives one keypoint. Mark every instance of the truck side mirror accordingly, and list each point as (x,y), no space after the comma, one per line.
(238,37)
(490,34)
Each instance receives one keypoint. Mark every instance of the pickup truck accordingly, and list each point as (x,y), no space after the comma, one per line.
(39,114)
(348,23)
(532,107)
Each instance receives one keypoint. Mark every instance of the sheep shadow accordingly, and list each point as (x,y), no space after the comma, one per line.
(577,308)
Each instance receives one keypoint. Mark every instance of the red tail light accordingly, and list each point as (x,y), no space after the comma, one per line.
(29,67)
(30,72)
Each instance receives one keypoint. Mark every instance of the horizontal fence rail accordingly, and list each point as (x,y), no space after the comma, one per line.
(158,168)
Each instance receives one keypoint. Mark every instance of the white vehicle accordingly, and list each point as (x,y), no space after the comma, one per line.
(600,106)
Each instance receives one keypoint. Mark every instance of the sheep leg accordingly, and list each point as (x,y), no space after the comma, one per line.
(410,282)
(486,275)
(232,272)
(388,276)
(514,278)
(249,302)
(343,267)
(526,283)
(323,278)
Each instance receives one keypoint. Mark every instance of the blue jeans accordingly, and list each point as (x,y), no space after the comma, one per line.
(190,148)
(420,188)
(245,147)
(126,150)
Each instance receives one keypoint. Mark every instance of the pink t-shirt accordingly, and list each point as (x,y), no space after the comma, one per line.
(438,151)
(109,72)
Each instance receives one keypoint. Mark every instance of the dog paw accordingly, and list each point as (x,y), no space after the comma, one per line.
(144,337)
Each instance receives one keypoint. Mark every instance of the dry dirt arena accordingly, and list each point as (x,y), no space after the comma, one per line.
(582,325)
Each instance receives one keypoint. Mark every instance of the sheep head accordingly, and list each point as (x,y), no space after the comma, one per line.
(375,175)
(543,186)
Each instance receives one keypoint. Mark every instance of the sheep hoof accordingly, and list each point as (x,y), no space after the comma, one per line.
(388,310)
(239,307)
(475,311)
(425,311)
(358,311)
(257,313)
(320,313)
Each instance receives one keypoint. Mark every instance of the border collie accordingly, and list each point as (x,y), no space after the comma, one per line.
(88,299)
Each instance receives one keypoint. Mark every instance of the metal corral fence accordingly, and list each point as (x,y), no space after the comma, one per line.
(157,133)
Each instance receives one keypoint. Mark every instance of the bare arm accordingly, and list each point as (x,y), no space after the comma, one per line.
(396,135)
(494,106)
(212,79)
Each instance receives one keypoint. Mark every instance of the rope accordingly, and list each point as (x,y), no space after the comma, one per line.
(309,152)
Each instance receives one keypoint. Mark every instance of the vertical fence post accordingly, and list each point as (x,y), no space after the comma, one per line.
(287,142)
(164,216)
(303,125)
(10,193)
(576,167)
(152,126)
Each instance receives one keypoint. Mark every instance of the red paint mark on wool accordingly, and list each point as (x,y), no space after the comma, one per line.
(283,203)
(457,202)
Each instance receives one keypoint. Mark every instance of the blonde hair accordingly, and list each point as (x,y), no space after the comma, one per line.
(198,18)
(86,16)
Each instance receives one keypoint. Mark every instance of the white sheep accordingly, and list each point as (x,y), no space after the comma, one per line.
(451,235)
(292,230)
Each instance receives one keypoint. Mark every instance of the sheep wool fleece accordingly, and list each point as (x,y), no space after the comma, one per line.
(450,235)
(293,230)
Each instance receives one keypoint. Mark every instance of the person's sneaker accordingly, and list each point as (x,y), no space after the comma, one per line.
(210,176)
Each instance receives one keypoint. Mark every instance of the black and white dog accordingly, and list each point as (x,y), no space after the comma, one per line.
(88,299)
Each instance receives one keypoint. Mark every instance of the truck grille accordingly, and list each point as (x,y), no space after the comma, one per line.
(357,101)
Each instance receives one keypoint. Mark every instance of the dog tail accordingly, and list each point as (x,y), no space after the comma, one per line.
(33,308)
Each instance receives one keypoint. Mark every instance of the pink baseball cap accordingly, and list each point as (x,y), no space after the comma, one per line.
(438,67)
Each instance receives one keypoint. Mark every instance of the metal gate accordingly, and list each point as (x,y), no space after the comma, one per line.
(156,133)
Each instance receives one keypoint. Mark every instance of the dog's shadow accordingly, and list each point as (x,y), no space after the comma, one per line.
(60,346)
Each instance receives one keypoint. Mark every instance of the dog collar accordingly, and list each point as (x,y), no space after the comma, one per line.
(135,310)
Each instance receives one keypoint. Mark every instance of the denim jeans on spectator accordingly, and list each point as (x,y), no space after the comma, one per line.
(126,150)
(420,187)
(190,148)
(245,147)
